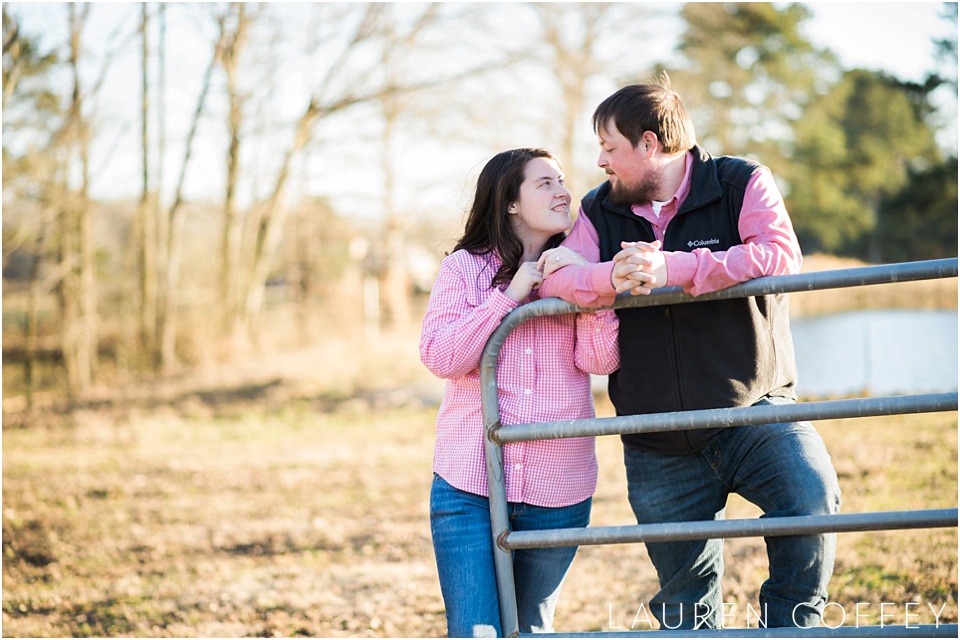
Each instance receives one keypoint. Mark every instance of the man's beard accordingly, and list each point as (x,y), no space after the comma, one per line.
(624,195)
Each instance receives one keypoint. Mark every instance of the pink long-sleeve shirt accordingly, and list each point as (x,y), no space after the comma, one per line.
(542,375)
(770,247)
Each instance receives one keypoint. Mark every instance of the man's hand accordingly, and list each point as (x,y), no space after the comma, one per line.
(639,268)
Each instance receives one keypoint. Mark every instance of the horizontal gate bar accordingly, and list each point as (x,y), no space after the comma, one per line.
(799,282)
(710,418)
(702,530)
(851,631)
(795,283)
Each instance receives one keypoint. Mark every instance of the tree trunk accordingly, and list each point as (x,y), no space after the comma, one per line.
(167,318)
(67,297)
(394,280)
(232,238)
(162,226)
(31,325)
(77,290)
(573,64)
(146,213)
(269,232)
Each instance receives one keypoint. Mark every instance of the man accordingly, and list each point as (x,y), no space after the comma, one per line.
(671,214)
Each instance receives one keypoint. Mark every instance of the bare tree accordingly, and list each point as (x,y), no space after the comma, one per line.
(585,41)
(13,60)
(331,96)
(574,61)
(170,284)
(147,214)
(49,164)
(233,27)
(21,59)
(394,281)
(77,290)
(163,231)
(414,91)
(399,39)
(376,55)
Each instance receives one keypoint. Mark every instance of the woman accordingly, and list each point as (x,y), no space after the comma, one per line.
(519,214)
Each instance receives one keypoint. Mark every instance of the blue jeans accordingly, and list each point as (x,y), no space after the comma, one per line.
(462,542)
(782,468)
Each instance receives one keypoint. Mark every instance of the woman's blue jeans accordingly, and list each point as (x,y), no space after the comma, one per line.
(462,541)
(782,468)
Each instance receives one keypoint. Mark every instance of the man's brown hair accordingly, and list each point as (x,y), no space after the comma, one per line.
(648,107)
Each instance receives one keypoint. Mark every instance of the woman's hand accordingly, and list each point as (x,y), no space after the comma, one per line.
(557,258)
(527,279)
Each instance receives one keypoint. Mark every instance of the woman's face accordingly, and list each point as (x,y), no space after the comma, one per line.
(542,209)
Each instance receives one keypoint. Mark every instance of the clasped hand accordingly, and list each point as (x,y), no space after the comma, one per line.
(530,275)
(639,267)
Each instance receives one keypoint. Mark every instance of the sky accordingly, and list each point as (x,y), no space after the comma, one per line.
(871,34)
(890,36)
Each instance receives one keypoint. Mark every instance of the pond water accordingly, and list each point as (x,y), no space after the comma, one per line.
(876,353)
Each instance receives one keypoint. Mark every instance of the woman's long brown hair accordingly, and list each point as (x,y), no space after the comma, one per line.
(488,228)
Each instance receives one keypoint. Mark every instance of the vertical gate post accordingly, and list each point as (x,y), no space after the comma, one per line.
(497,490)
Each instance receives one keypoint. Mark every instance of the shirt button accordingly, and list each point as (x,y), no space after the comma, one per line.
(529,351)
(528,391)
(517,466)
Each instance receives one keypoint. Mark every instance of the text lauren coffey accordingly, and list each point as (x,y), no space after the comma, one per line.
(907,614)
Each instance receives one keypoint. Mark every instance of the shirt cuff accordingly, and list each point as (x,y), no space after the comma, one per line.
(601,279)
(501,301)
(681,268)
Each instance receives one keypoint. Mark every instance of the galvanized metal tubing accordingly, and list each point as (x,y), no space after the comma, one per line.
(738,416)
(756,527)
(496,435)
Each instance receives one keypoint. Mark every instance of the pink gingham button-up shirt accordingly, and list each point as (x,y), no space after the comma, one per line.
(542,375)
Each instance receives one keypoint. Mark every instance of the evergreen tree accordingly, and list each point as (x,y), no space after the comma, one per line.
(747,74)
(856,147)
(920,221)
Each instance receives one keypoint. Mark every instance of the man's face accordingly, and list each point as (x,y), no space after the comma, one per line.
(632,174)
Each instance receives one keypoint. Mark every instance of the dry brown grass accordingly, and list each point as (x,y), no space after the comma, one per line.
(922,294)
(288,497)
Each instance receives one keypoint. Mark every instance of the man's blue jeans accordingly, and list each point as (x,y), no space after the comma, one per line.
(460,525)
(782,468)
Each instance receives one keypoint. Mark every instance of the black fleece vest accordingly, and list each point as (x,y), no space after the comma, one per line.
(699,355)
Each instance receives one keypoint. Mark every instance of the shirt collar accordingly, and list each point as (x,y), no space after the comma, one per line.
(684,189)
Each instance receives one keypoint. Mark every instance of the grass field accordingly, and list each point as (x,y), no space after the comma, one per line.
(280,505)
(287,495)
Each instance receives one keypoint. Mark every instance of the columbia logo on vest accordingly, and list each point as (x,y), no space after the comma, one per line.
(703,243)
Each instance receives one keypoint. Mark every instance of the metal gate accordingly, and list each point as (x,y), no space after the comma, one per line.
(505,541)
